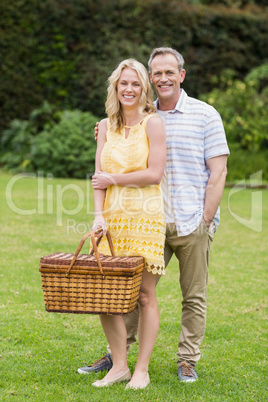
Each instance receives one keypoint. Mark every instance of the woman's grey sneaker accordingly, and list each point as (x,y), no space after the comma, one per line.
(104,363)
(187,373)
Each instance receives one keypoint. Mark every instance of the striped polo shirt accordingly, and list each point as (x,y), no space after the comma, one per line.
(194,133)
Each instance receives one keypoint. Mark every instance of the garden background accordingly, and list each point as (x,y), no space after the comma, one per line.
(56,57)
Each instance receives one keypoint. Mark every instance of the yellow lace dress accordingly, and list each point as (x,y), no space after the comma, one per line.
(134,216)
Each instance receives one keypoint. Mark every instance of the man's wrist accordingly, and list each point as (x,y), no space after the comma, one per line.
(207,219)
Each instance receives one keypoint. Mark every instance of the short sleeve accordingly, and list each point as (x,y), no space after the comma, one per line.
(215,143)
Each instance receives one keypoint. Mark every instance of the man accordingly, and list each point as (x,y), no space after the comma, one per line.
(193,185)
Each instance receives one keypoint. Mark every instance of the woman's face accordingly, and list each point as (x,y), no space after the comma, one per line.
(129,88)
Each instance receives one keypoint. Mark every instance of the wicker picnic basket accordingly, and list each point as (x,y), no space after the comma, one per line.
(88,284)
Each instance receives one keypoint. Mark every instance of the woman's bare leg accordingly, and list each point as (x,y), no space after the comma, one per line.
(115,331)
(148,328)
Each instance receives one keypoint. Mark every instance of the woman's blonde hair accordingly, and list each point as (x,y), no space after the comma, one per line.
(113,106)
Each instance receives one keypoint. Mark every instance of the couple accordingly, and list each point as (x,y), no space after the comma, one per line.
(132,155)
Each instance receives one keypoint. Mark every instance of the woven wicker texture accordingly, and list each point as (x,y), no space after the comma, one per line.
(88,284)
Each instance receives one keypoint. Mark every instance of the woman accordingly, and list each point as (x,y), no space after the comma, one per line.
(130,161)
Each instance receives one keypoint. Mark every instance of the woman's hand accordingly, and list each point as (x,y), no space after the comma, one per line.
(101,180)
(99,223)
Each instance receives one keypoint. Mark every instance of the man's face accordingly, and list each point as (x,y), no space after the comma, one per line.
(166,77)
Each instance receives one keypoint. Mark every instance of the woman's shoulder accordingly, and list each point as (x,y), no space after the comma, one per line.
(152,120)
(102,129)
(103,124)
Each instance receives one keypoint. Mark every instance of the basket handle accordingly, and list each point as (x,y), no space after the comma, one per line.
(99,235)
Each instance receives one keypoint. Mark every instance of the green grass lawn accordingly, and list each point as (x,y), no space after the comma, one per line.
(40,352)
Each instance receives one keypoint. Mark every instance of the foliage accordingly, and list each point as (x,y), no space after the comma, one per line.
(235,3)
(64,51)
(52,141)
(68,148)
(43,350)
(17,139)
(242,163)
(243,107)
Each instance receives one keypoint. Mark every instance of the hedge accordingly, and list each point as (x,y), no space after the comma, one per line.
(64,51)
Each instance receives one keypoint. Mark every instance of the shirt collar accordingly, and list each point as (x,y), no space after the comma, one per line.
(180,106)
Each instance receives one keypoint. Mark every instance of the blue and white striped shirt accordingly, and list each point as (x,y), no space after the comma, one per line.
(194,133)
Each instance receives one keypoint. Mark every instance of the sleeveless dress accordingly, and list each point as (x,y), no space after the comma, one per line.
(134,216)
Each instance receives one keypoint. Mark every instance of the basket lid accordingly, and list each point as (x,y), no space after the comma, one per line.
(84,260)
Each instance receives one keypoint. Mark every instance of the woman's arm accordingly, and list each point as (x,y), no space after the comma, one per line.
(99,194)
(156,162)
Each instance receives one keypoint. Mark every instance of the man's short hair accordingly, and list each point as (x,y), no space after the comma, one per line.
(166,50)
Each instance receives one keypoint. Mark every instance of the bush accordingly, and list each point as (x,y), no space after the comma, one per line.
(52,141)
(242,164)
(16,141)
(68,148)
(243,107)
